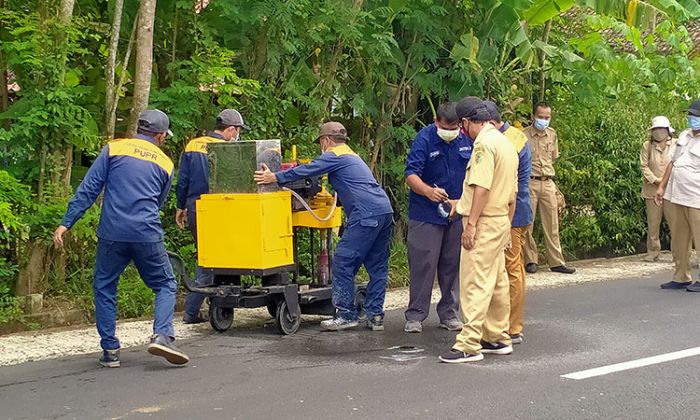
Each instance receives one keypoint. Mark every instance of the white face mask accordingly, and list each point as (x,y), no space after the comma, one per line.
(448,135)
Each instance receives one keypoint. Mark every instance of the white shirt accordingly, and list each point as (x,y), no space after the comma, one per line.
(684,185)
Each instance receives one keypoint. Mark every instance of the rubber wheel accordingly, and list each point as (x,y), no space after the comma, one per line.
(360,296)
(220,318)
(283,319)
(272,308)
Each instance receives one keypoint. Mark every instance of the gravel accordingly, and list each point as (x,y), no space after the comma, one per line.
(48,344)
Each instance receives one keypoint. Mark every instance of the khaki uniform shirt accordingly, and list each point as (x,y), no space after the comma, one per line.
(653,160)
(684,185)
(545,150)
(494,166)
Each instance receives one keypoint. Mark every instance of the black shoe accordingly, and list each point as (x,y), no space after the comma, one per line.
(563,269)
(675,285)
(197,319)
(517,338)
(531,268)
(496,348)
(163,346)
(695,287)
(110,358)
(456,356)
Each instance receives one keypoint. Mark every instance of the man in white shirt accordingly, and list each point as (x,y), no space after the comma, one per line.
(680,188)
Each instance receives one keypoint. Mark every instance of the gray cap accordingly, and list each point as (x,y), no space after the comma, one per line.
(694,108)
(472,108)
(493,110)
(231,117)
(155,121)
(333,129)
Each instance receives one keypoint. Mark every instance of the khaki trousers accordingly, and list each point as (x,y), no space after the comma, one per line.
(543,196)
(654,216)
(685,228)
(483,287)
(515,266)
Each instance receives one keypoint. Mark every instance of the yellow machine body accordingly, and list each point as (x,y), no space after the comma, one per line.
(245,231)
(322,204)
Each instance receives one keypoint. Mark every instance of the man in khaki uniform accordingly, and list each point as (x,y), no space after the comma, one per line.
(543,192)
(487,205)
(522,219)
(680,191)
(653,159)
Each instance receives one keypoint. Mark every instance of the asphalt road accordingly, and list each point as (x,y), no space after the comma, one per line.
(256,374)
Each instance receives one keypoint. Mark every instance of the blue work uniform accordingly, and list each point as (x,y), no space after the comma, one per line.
(135,176)
(523,209)
(367,235)
(433,241)
(192,182)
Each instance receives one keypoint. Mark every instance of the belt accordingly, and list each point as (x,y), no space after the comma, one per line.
(542,178)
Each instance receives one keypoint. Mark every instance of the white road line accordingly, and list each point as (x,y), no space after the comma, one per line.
(633,364)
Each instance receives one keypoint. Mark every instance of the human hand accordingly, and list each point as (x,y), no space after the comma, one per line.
(453,209)
(468,236)
(659,197)
(437,195)
(181,218)
(264,176)
(58,235)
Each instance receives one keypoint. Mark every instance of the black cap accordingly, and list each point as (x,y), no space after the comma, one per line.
(231,117)
(493,110)
(472,108)
(154,121)
(694,108)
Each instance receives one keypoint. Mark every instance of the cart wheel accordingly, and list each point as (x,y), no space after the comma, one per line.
(283,319)
(272,308)
(220,318)
(360,296)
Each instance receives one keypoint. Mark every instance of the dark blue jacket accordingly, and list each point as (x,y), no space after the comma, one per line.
(439,163)
(523,208)
(358,190)
(136,177)
(193,174)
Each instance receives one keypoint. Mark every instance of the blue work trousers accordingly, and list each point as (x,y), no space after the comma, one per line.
(364,242)
(153,265)
(193,302)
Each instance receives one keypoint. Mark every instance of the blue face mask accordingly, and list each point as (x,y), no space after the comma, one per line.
(694,122)
(541,124)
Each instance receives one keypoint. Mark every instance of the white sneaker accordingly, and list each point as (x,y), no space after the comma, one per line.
(337,324)
(413,327)
(453,324)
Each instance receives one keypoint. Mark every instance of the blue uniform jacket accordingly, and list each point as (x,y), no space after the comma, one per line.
(439,163)
(523,208)
(193,174)
(136,177)
(358,191)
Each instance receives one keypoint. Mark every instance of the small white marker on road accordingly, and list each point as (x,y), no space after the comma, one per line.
(633,364)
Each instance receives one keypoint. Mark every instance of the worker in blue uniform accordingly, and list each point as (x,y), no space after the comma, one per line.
(367,235)
(192,182)
(435,170)
(135,176)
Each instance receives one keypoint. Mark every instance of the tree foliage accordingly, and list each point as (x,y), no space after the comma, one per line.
(379,66)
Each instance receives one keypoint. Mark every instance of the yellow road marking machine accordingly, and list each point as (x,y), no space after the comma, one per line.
(249,230)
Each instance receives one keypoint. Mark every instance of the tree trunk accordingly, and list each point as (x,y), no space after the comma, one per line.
(111,68)
(543,57)
(4,93)
(144,63)
(112,111)
(32,276)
